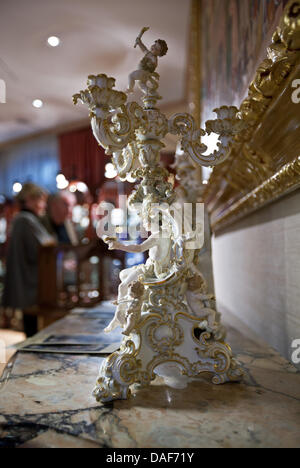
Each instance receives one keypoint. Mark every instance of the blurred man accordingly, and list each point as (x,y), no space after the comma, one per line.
(58,220)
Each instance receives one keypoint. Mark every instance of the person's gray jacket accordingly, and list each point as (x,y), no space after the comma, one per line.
(21,280)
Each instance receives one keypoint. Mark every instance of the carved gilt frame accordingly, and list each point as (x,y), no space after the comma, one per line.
(264,161)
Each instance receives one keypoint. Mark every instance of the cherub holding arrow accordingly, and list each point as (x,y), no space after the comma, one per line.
(147,66)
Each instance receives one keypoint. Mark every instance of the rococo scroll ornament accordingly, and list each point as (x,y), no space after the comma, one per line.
(164,307)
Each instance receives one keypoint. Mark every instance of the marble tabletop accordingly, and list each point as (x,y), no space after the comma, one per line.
(46,401)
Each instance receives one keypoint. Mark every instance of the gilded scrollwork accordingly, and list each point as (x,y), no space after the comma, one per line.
(252,176)
(126,161)
(286,179)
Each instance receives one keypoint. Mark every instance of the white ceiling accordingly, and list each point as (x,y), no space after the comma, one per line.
(97,36)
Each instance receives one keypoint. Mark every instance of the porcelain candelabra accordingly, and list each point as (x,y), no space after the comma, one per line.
(163,306)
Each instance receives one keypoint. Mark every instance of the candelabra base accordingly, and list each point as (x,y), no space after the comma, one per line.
(167,333)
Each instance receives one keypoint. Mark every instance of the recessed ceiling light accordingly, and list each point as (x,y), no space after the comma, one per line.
(37,103)
(17,187)
(53,41)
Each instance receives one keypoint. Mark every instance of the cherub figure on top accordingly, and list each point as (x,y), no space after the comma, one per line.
(146,76)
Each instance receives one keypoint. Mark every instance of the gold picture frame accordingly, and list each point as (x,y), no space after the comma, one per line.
(264,161)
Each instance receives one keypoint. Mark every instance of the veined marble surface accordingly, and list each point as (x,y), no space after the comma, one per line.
(46,401)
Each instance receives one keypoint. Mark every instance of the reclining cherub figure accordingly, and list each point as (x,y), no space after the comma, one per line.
(159,245)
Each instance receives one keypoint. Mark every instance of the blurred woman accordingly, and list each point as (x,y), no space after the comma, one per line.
(28,234)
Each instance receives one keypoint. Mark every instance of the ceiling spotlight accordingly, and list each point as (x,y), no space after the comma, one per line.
(17,187)
(37,103)
(53,41)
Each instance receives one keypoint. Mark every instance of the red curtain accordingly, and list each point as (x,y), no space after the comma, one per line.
(82,158)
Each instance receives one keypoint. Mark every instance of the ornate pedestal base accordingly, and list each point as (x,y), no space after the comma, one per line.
(168,332)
